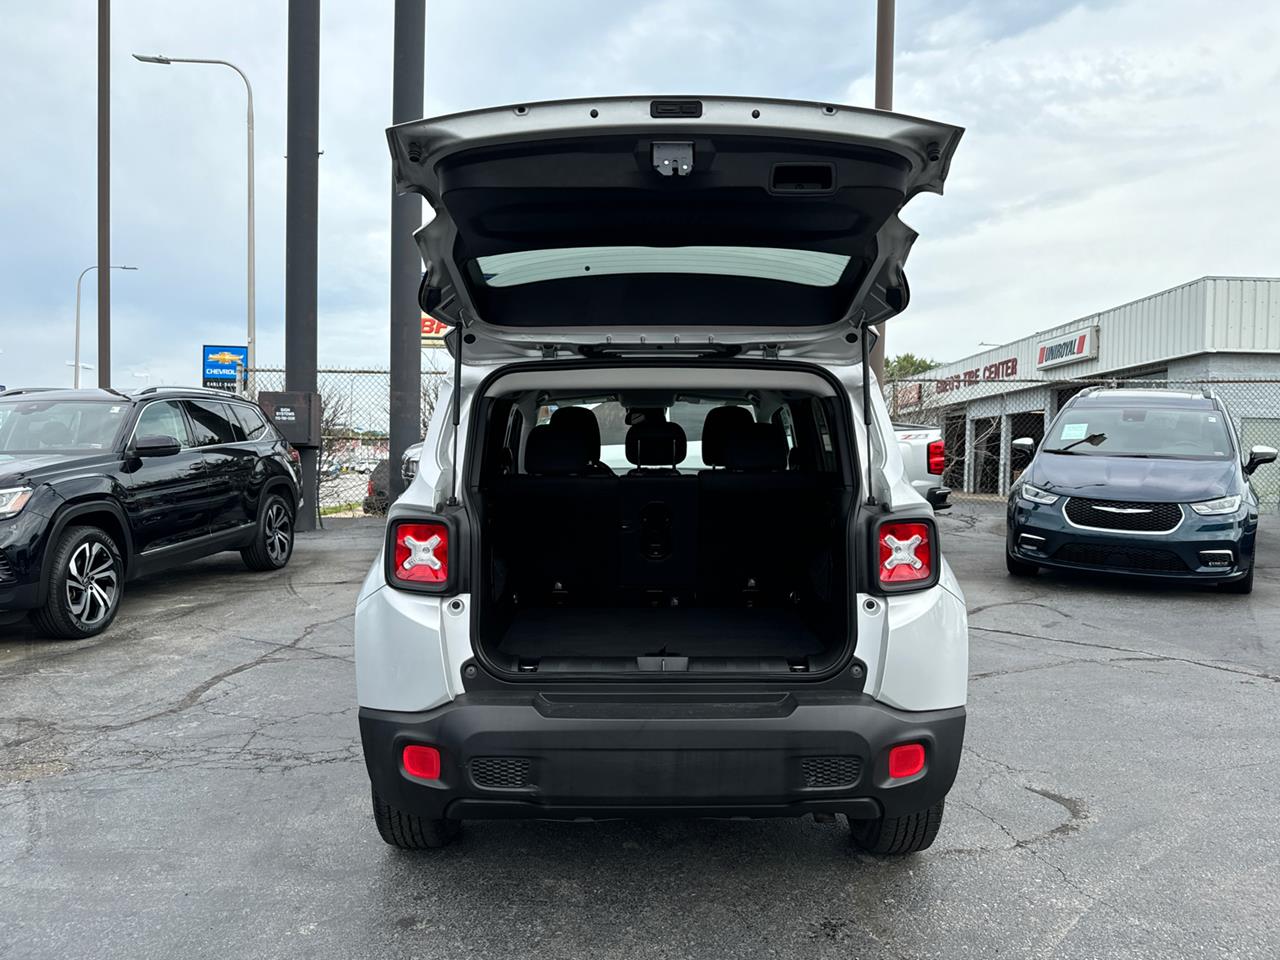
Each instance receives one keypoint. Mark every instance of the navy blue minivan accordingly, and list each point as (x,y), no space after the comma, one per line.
(1148,482)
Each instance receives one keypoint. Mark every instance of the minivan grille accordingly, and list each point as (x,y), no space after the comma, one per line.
(1124,515)
(831,771)
(500,772)
(1124,558)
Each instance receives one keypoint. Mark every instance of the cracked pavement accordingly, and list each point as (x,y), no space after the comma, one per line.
(190,784)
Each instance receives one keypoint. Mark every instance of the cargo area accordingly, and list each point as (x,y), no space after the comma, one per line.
(664,531)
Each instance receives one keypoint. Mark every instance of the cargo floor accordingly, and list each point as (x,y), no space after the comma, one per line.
(674,631)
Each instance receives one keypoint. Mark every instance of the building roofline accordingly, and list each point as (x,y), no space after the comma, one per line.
(1050,331)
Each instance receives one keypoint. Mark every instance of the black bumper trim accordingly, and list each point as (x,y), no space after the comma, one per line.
(623,760)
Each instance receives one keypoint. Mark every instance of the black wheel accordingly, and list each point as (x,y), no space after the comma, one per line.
(1019,568)
(895,835)
(86,586)
(408,831)
(273,542)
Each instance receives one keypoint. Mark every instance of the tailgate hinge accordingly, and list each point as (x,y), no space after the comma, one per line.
(771,351)
(673,157)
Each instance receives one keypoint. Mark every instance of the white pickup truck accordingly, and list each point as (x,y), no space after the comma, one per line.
(924,454)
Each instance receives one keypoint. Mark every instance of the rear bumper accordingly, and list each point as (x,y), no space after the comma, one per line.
(1210,549)
(543,756)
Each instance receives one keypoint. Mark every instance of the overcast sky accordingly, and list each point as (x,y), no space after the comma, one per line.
(1112,150)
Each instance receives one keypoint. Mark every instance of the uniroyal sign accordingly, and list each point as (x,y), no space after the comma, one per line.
(1068,348)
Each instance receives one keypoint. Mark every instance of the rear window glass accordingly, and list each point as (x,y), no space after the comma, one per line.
(251,421)
(611,418)
(808,267)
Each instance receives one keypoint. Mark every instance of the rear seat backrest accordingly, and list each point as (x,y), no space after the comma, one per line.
(658,513)
(759,522)
(557,522)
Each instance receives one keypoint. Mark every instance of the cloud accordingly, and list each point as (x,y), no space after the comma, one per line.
(1111,150)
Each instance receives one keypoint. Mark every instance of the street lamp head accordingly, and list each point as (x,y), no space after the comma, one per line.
(128,268)
(157,59)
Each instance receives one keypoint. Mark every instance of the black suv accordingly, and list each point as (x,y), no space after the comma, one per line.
(1139,482)
(97,487)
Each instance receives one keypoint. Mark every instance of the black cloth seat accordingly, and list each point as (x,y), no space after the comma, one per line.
(582,422)
(760,524)
(658,512)
(718,428)
(556,524)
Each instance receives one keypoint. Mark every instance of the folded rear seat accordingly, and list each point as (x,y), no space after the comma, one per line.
(759,522)
(559,520)
(658,509)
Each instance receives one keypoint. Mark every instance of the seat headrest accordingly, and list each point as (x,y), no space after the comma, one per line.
(656,443)
(761,447)
(718,427)
(583,422)
(555,453)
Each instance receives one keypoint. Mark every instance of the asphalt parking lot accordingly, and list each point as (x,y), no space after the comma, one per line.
(190,785)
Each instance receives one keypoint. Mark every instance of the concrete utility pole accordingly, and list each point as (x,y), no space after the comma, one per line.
(302,172)
(884,101)
(408,55)
(104,194)
(251,332)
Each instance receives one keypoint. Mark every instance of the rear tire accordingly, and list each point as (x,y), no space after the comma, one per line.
(1019,568)
(408,831)
(273,540)
(86,585)
(892,836)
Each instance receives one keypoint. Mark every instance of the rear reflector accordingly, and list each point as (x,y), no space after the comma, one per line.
(906,552)
(422,762)
(937,456)
(421,552)
(906,760)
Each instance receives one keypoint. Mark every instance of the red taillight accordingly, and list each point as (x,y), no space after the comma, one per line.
(905,760)
(937,455)
(906,552)
(295,456)
(368,491)
(422,762)
(421,553)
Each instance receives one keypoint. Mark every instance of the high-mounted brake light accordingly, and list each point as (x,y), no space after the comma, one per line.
(421,553)
(936,450)
(905,550)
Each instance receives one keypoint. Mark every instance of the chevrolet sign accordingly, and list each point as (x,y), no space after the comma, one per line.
(1067,348)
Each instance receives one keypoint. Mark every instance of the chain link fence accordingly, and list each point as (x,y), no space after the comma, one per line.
(355,442)
(980,418)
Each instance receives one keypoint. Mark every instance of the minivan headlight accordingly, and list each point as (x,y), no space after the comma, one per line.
(13,500)
(1036,495)
(1210,508)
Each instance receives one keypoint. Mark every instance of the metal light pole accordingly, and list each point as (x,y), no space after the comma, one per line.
(76,362)
(884,101)
(251,322)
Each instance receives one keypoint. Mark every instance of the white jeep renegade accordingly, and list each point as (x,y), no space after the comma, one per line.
(744,610)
